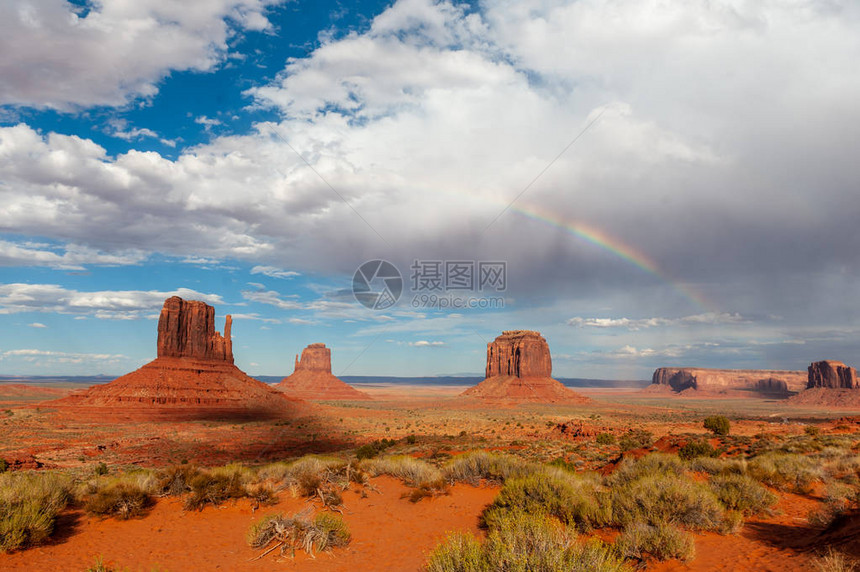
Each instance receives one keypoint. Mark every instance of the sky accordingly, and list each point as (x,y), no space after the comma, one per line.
(666,182)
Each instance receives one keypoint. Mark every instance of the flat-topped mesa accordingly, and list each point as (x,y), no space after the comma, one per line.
(768,381)
(315,357)
(519,353)
(519,368)
(832,374)
(186,328)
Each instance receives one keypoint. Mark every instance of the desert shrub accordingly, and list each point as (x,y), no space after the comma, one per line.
(523,542)
(101,469)
(693,449)
(717,466)
(100,566)
(636,439)
(742,493)
(411,439)
(573,500)
(412,471)
(781,470)
(812,430)
(214,488)
(667,499)
(654,464)
(717,424)
(371,450)
(299,532)
(564,464)
(29,505)
(176,480)
(605,439)
(838,498)
(4,466)
(661,541)
(834,561)
(475,466)
(123,500)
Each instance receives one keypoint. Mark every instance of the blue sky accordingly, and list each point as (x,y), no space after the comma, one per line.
(668,183)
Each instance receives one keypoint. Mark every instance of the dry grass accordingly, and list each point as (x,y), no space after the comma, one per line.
(29,505)
(298,532)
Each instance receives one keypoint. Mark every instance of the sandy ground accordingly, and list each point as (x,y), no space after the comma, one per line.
(389,533)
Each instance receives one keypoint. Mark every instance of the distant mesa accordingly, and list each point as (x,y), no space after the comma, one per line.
(192,377)
(830,383)
(771,382)
(832,375)
(312,378)
(519,368)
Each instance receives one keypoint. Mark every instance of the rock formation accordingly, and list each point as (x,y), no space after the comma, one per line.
(519,368)
(726,381)
(186,328)
(192,377)
(830,384)
(312,378)
(832,375)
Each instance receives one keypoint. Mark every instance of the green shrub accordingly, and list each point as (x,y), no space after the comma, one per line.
(214,488)
(666,499)
(743,494)
(636,439)
(371,450)
(716,466)
(29,505)
(101,469)
(661,541)
(605,439)
(654,464)
(523,542)
(121,499)
(413,472)
(693,449)
(717,424)
(573,500)
(475,466)
(299,532)
(781,470)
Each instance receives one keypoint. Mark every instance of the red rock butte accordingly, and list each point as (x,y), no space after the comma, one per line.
(519,368)
(192,377)
(312,378)
(830,383)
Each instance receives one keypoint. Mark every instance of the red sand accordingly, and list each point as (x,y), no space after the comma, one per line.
(388,533)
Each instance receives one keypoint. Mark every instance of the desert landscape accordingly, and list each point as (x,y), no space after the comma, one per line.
(429,285)
(189,464)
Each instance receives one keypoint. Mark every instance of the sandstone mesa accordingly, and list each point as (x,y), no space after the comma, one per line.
(312,378)
(519,368)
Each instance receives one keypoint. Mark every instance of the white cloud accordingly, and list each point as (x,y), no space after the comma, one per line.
(37,325)
(274,272)
(712,318)
(108,304)
(52,57)
(46,357)
(426,344)
(255,316)
(70,257)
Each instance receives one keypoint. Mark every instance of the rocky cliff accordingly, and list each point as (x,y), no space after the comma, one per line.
(192,377)
(767,381)
(312,378)
(832,375)
(519,368)
(186,328)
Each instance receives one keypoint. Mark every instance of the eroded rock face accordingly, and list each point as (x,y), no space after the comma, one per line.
(186,328)
(519,368)
(315,357)
(768,381)
(313,380)
(832,375)
(519,353)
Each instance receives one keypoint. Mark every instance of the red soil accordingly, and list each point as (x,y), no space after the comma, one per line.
(388,533)
(318,385)
(516,389)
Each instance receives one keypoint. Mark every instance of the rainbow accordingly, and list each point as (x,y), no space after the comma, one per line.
(615,246)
